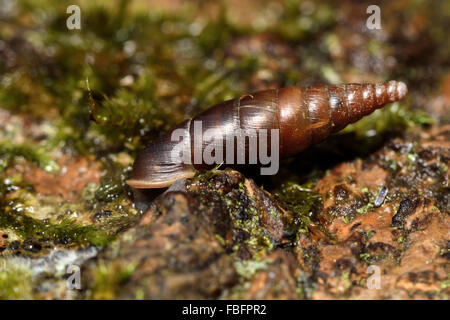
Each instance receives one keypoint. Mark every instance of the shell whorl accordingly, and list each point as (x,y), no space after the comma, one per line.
(313,113)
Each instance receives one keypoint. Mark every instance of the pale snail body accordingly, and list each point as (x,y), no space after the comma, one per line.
(303,115)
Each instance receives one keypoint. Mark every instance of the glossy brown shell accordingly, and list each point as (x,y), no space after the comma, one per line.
(303,115)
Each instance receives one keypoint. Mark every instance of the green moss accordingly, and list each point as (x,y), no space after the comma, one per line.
(35,154)
(245,216)
(302,201)
(366,257)
(15,281)
(14,216)
(112,186)
(369,234)
(445,283)
(366,208)
(298,24)
(248,268)
(107,279)
(66,231)
(391,119)
(130,114)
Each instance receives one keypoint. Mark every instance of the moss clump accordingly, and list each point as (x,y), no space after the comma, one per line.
(395,118)
(303,202)
(14,216)
(108,278)
(298,24)
(130,114)
(65,232)
(112,185)
(15,281)
(9,152)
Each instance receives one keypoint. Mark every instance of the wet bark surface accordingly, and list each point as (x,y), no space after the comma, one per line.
(194,236)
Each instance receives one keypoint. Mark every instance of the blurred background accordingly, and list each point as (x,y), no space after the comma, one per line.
(153,63)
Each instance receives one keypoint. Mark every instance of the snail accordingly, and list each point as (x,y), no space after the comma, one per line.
(297,116)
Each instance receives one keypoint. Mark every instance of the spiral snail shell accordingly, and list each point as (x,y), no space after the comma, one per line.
(301,115)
